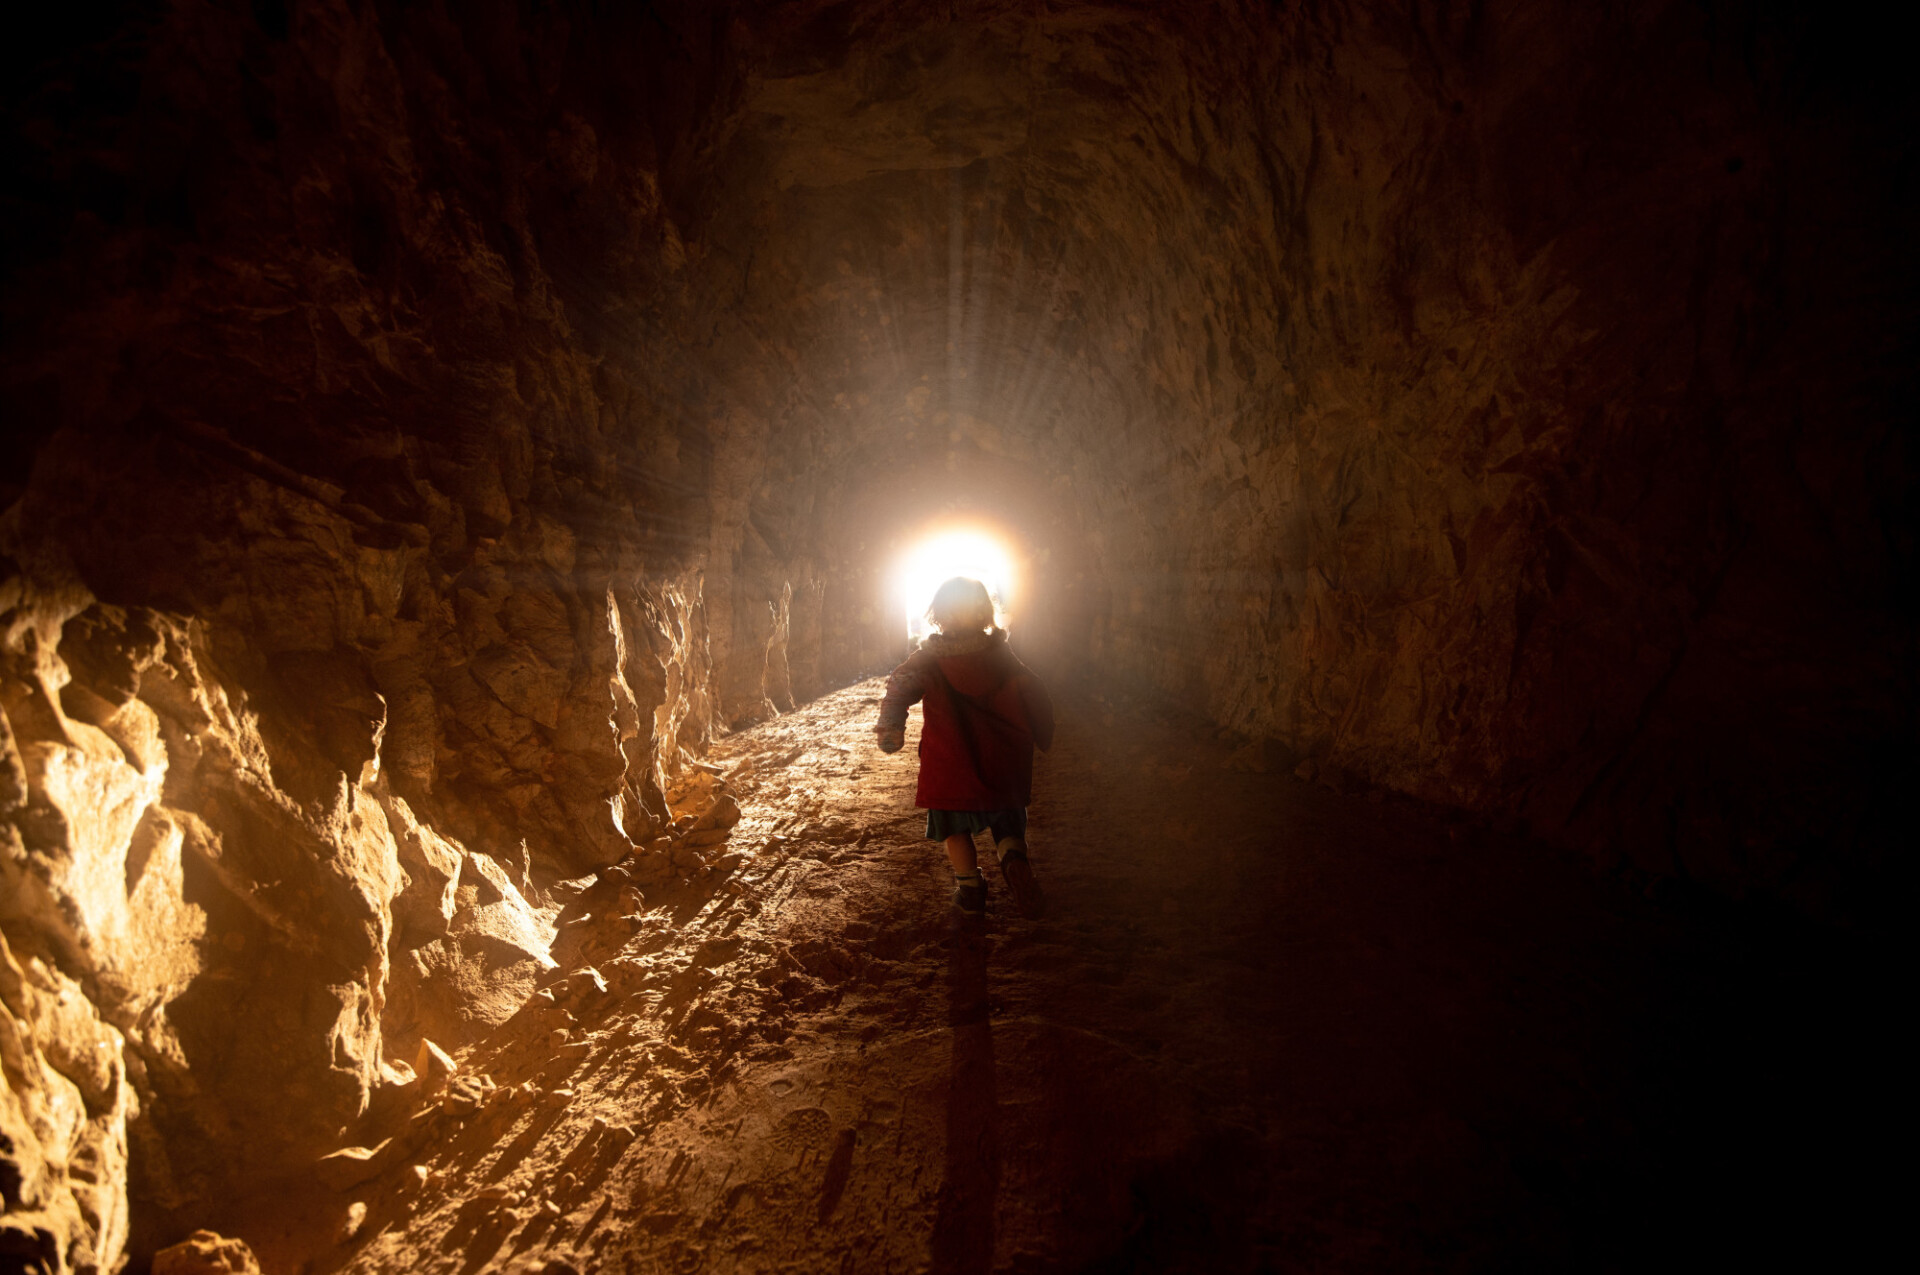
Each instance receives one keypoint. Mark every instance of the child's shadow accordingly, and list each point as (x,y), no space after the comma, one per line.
(963,1227)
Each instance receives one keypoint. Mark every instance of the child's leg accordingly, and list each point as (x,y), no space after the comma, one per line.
(1010,847)
(960,854)
(969,888)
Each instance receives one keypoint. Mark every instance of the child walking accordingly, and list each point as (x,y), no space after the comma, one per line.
(984,713)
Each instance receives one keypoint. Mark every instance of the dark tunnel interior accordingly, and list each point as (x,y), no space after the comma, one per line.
(460,482)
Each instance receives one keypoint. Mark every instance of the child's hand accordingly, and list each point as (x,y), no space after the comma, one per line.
(890,738)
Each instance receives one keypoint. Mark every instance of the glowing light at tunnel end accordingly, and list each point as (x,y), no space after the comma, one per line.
(949,551)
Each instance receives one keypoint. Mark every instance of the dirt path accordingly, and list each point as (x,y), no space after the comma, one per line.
(1266,1026)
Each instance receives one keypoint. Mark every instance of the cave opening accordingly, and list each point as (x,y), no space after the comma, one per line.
(937,555)
(468,471)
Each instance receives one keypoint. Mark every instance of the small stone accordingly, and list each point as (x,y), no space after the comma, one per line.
(433,1065)
(558,1037)
(583,983)
(459,1102)
(549,1208)
(356,1217)
(567,891)
(724,813)
(418,1175)
(496,1192)
(350,1166)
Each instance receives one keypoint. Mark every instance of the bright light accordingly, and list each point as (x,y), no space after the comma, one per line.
(931,562)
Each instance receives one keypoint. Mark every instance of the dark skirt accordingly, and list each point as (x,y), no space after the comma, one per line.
(942,824)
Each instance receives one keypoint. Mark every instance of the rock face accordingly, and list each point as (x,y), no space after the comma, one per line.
(427,426)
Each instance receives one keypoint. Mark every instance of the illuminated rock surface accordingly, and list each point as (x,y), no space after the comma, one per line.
(431,431)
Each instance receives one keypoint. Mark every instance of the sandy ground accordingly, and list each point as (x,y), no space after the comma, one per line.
(1265,1026)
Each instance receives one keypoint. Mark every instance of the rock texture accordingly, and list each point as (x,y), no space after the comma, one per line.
(430,425)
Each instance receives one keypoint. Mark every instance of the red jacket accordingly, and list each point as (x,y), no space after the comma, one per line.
(984,713)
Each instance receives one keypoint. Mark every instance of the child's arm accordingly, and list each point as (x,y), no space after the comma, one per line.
(905,687)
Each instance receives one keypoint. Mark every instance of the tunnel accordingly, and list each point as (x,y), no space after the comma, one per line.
(471,472)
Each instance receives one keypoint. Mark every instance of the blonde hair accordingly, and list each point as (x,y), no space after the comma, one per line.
(962,604)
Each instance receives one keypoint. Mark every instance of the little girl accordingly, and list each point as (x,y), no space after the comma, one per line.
(984,713)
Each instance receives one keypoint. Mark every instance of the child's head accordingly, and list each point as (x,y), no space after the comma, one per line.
(961,605)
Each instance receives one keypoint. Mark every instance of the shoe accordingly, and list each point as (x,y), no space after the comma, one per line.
(971,896)
(1018,874)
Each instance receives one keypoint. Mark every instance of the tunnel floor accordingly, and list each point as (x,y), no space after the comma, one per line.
(1265,1026)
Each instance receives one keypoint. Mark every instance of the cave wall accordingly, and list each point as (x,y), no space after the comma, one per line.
(428,424)
(356,583)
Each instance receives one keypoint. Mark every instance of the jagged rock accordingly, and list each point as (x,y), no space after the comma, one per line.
(206,1253)
(566,893)
(458,1103)
(101,879)
(581,986)
(467,1094)
(350,1166)
(85,803)
(495,948)
(723,813)
(432,864)
(434,1067)
(64,1107)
